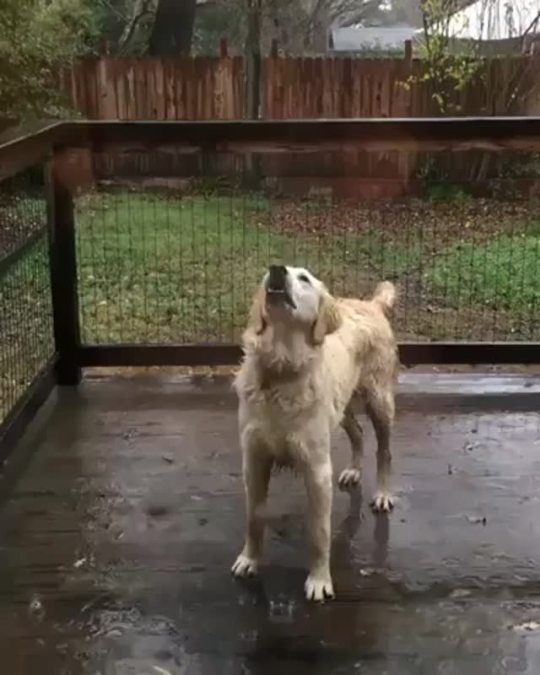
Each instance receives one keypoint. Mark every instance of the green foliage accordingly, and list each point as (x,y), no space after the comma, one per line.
(520,165)
(438,184)
(446,192)
(36,37)
(445,71)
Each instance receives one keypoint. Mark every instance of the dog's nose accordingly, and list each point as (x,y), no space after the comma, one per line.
(277,276)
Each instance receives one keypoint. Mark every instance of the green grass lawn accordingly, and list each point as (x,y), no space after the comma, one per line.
(153,269)
(26,333)
(503,273)
(158,269)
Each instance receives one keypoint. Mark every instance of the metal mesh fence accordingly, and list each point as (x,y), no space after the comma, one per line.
(26,337)
(170,247)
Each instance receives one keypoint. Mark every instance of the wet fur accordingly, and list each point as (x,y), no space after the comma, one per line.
(294,389)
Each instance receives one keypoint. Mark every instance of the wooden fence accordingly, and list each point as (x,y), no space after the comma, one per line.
(158,89)
(214,88)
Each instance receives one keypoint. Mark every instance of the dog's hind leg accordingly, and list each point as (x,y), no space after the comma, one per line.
(380,409)
(351,475)
(256,470)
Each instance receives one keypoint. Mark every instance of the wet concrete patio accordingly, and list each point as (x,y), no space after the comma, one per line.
(123,511)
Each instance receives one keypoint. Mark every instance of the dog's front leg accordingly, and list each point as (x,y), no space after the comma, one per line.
(256,470)
(318,480)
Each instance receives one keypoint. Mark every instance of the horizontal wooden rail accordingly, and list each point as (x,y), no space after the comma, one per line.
(248,136)
(411,353)
(29,150)
(459,134)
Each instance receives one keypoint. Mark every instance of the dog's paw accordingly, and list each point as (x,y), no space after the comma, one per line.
(244,566)
(349,478)
(319,587)
(382,502)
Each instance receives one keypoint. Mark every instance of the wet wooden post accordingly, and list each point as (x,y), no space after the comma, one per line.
(63,273)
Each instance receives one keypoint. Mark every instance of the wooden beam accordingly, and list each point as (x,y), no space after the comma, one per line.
(28,150)
(282,136)
(277,136)
(411,353)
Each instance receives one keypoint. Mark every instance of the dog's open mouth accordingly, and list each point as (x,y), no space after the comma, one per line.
(277,297)
(277,291)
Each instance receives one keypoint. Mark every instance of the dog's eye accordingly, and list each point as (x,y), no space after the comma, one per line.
(304,278)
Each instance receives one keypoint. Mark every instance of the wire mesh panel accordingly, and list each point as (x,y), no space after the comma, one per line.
(171,247)
(26,342)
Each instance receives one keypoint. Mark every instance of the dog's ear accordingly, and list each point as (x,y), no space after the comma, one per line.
(328,320)
(257,313)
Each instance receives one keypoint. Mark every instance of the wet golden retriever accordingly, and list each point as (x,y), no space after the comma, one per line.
(305,354)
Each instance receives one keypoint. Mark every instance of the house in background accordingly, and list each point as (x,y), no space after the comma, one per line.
(372,40)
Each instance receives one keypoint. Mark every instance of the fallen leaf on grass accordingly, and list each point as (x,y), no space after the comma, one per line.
(161,670)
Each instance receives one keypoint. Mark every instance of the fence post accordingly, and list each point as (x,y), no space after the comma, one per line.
(63,274)
(408,61)
(223,48)
(408,52)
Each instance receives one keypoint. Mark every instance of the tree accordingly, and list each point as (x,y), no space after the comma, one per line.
(253,57)
(445,72)
(303,25)
(196,26)
(299,26)
(126,24)
(452,65)
(36,37)
(217,20)
(172,30)
(155,27)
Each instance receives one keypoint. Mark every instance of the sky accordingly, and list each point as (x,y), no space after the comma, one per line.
(494,19)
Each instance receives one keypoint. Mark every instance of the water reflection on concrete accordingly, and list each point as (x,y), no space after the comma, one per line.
(117,540)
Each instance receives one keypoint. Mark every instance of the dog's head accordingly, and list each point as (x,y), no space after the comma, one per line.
(292,298)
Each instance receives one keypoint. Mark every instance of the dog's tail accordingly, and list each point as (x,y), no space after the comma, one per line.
(385,297)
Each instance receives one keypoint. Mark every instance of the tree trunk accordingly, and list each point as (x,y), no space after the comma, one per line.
(319,31)
(253,85)
(253,58)
(173,28)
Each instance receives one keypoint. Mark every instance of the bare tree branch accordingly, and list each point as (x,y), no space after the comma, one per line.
(142,8)
(357,12)
(114,10)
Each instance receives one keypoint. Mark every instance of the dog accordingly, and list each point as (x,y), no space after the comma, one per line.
(306,354)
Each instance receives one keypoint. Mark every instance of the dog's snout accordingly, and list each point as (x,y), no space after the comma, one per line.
(277,277)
